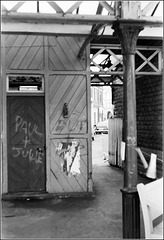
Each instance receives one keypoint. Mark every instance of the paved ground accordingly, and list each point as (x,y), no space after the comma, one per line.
(95,217)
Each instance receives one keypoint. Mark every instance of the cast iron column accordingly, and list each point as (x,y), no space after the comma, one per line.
(128,33)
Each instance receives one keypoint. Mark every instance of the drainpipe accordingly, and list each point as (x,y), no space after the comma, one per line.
(127,32)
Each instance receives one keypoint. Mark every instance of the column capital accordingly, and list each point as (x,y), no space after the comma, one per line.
(127,32)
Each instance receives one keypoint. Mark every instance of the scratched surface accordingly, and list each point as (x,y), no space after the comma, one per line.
(70,89)
(26,157)
(69,165)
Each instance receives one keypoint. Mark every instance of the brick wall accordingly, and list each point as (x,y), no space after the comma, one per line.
(149,112)
(149,119)
(149,116)
(117,93)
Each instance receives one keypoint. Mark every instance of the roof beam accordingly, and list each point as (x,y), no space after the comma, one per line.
(43,28)
(99,9)
(149,6)
(17,6)
(155,9)
(107,7)
(75,19)
(3,8)
(58,18)
(74,7)
(55,6)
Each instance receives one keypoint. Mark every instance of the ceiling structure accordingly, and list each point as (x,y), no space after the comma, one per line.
(81,17)
(94,20)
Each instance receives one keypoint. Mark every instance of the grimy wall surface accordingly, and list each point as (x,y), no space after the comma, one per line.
(67,150)
(149,117)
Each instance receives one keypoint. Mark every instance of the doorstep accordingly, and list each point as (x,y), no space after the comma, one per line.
(45,195)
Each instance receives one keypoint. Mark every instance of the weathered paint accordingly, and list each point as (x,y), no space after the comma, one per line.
(26,155)
(70,157)
(66,82)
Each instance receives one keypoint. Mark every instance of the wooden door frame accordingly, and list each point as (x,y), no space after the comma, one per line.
(5,94)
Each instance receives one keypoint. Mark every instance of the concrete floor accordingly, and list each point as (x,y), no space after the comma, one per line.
(99,216)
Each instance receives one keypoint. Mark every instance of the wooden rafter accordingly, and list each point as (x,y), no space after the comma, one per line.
(60,17)
(56,7)
(3,8)
(149,6)
(99,9)
(116,9)
(155,9)
(17,6)
(74,7)
(35,22)
(107,7)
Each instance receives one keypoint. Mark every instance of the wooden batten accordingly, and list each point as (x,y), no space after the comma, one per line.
(4,126)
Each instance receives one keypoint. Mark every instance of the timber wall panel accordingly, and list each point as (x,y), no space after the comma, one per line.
(24,52)
(63,52)
(67,134)
(63,181)
(49,54)
(70,89)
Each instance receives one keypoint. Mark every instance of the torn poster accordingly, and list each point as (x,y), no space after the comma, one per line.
(69,152)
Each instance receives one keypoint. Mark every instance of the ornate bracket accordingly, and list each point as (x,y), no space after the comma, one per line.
(127,33)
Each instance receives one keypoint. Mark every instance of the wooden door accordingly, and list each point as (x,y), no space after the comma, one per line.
(69,137)
(26,143)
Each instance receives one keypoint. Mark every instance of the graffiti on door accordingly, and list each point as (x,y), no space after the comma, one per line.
(29,129)
(72,126)
(69,152)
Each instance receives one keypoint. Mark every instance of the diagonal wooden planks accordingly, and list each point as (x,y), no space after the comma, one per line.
(69,183)
(71,90)
(24,52)
(63,53)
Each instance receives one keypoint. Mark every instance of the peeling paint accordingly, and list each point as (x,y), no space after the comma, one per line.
(69,152)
